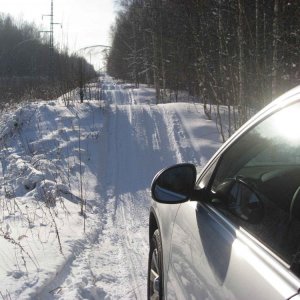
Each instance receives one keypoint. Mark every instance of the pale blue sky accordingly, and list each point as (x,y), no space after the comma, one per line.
(84,22)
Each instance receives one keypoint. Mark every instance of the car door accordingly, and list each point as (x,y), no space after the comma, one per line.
(218,251)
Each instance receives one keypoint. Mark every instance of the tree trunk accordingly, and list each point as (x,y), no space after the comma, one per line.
(241,67)
(155,69)
(275,50)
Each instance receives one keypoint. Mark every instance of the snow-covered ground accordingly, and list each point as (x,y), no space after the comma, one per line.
(61,163)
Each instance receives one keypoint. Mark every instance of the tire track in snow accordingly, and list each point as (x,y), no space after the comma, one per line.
(171,136)
(118,262)
(124,153)
(131,214)
(134,160)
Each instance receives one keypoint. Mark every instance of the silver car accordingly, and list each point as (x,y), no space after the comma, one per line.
(233,232)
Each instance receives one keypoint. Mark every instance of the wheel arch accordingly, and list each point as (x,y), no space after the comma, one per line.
(153,224)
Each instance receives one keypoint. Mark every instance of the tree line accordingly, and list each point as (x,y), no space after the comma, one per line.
(30,69)
(229,52)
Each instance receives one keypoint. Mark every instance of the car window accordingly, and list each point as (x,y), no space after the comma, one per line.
(267,159)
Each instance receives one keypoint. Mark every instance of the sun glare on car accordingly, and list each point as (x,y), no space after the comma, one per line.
(287,124)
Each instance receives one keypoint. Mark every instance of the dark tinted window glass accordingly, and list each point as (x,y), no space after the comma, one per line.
(267,157)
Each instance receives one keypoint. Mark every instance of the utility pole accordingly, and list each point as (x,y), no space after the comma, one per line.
(51,41)
(51,44)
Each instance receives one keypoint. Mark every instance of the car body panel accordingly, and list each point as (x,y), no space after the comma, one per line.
(210,259)
(195,261)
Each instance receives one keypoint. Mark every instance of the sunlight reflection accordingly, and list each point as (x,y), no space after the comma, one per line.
(260,266)
(287,124)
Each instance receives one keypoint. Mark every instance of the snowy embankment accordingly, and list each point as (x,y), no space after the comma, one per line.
(58,161)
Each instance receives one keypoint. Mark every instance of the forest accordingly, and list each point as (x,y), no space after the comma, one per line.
(240,53)
(30,69)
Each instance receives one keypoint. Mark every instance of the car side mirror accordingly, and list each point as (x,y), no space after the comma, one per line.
(175,184)
(241,200)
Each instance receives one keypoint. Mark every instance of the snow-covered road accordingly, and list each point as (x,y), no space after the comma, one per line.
(135,141)
(139,140)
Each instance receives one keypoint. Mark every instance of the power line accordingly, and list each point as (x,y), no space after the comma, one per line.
(91,47)
(94,46)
